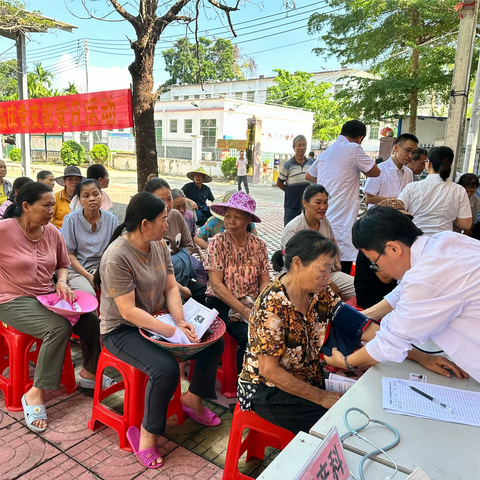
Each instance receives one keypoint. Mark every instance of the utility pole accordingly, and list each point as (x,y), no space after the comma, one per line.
(23,95)
(461,79)
(85,50)
(90,134)
(472,137)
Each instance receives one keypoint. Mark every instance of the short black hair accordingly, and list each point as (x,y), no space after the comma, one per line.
(311,154)
(405,137)
(469,180)
(154,184)
(96,171)
(354,129)
(420,151)
(43,174)
(381,225)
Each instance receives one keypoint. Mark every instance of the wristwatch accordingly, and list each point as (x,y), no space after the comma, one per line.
(349,367)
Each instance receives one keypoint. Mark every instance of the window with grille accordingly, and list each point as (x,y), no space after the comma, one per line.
(374,132)
(173,126)
(158,131)
(208,128)
(250,96)
(187,125)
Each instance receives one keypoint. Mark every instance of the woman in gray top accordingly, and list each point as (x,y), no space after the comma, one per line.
(87,232)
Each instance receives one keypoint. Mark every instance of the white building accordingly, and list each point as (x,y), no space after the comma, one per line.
(255,89)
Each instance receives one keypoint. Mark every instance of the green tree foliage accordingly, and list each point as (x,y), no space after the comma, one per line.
(217,60)
(298,90)
(15,155)
(14,18)
(229,168)
(72,153)
(100,153)
(39,82)
(408,44)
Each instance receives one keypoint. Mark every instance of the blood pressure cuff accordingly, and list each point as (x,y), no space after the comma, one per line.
(344,330)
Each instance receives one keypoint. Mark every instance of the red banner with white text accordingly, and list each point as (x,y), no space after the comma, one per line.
(68,113)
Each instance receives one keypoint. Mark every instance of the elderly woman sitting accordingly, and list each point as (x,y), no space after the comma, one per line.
(87,232)
(26,271)
(215,223)
(237,265)
(314,209)
(17,185)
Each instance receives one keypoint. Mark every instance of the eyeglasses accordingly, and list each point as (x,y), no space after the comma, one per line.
(374,266)
(409,152)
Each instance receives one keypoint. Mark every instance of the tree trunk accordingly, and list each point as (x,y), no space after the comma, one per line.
(414,90)
(143,113)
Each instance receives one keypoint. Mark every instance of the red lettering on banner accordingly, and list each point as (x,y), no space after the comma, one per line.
(47,115)
(12,117)
(91,114)
(75,112)
(108,112)
(60,111)
(22,113)
(34,112)
(68,113)
(3,119)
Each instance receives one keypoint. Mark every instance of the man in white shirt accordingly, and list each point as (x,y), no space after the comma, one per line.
(242,172)
(338,170)
(395,175)
(438,298)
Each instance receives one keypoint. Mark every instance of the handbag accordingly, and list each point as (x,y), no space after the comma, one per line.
(345,329)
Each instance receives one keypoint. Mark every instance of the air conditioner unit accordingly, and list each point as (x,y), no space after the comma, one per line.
(207,156)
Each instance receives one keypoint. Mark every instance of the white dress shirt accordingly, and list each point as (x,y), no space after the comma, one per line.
(435,203)
(439,299)
(390,183)
(338,170)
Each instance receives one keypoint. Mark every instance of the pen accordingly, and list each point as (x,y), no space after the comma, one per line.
(434,400)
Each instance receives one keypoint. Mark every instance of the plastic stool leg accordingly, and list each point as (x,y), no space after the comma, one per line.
(68,371)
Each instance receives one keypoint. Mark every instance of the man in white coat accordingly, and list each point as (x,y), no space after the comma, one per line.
(438,298)
(338,170)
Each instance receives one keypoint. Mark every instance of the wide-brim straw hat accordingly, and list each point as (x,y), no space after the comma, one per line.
(222,199)
(207,179)
(70,171)
(240,201)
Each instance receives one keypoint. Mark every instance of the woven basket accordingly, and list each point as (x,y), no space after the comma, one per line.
(183,352)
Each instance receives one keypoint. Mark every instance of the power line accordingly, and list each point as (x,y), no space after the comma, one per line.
(283,46)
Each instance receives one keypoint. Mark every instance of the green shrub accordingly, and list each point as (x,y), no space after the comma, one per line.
(229,168)
(72,153)
(15,155)
(100,154)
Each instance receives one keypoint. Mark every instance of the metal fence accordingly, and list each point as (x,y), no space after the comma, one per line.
(175,148)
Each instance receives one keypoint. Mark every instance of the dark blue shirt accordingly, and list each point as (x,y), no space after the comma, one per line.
(198,195)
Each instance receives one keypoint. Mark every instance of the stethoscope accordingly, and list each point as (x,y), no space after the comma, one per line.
(352,431)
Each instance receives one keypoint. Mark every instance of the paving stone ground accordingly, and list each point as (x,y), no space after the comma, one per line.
(70,450)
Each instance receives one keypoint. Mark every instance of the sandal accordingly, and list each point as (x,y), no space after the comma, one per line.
(86,383)
(147,456)
(32,414)
(207,418)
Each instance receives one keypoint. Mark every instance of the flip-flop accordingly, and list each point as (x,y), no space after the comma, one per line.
(32,414)
(207,418)
(147,456)
(86,383)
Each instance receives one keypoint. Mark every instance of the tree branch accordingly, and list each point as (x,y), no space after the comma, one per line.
(227,11)
(127,16)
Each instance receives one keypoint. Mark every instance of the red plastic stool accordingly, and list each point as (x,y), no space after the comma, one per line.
(134,383)
(227,373)
(15,348)
(261,434)
(353,303)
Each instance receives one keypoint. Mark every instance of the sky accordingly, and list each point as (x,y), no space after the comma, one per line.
(274,36)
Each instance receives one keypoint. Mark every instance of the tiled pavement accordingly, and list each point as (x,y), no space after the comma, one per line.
(69,450)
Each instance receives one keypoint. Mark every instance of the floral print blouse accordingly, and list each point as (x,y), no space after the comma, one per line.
(277,328)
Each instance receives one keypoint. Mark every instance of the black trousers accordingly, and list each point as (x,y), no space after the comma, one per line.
(243,179)
(126,343)
(346,267)
(238,330)
(290,213)
(285,410)
(198,290)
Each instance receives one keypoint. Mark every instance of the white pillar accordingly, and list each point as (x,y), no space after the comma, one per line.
(197,141)
(23,95)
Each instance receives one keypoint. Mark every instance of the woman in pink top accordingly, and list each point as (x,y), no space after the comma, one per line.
(237,265)
(35,252)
